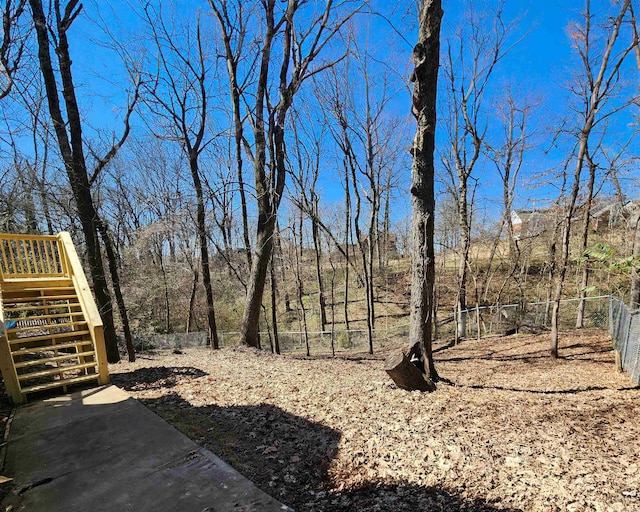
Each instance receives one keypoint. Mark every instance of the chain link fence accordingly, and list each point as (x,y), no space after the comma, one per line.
(321,343)
(625,332)
(485,320)
(603,311)
(174,341)
(532,316)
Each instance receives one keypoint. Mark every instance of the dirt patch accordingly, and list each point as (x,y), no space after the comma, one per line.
(513,430)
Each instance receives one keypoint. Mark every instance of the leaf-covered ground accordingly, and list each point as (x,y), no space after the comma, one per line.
(511,430)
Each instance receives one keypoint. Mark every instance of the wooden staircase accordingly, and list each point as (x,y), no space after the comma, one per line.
(50,329)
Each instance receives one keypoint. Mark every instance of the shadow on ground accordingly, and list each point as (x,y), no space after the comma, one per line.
(285,455)
(154,378)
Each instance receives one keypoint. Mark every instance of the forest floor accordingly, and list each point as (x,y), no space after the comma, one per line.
(509,430)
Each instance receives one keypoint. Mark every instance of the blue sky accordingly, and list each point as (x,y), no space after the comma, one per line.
(537,67)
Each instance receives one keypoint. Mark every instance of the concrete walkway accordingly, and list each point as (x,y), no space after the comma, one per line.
(101,450)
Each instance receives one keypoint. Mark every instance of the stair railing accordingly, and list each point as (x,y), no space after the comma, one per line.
(40,258)
(87,304)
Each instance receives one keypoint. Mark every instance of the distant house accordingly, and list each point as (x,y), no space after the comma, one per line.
(529,224)
(604,215)
(612,214)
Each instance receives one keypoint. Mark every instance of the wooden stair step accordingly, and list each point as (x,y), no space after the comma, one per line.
(44,326)
(46,282)
(57,371)
(31,286)
(38,298)
(45,337)
(51,348)
(45,360)
(59,383)
(48,317)
(41,307)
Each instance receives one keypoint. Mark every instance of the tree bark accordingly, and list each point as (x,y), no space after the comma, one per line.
(250,327)
(425,78)
(192,300)
(315,233)
(274,306)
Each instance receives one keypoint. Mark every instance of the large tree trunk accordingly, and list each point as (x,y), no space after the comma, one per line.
(267,212)
(347,231)
(204,252)
(425,77)
(251,316)
(72,152)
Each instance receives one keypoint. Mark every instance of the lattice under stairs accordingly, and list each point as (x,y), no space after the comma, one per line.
(50,330)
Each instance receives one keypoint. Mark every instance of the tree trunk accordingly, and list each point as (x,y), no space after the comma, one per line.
(165,285)
(465,241)
(267,209)
(192,301)
(406,375)
(204,252)
(112,260)
(300,287)
(72,152)
(315,232)
(274,306)
(347,231)
(425,78)
(585,242)
(255,289)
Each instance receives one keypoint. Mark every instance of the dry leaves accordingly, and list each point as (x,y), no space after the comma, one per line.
(513,430)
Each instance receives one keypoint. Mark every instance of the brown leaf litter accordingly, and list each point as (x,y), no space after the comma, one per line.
(510,430)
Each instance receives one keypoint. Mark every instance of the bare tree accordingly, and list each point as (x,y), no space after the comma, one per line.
(426,57)
(301,45)
(471,59)
(233,20)
(70,142)
(178,93)
(307,157)
(13,43)
(507,154)
(602,73)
